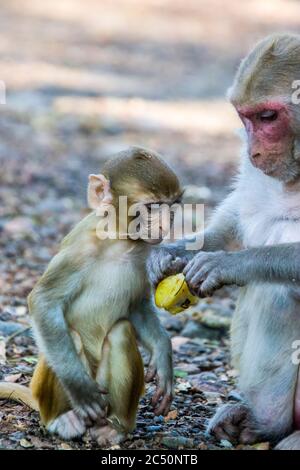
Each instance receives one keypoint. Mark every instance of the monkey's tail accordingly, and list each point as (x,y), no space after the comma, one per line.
(18,393)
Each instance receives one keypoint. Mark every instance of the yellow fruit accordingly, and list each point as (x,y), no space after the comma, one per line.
(173,294)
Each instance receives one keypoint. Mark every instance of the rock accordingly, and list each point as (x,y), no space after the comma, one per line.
(187,368)
(213,398)
(176,442)
(8,328)
(177,342)
(154,428)
(173,323)
(225,443)
(207,377)
(215,321)
(234,395)
(194,329)
(25,443)
(158,419)
(207,385)
(19,226)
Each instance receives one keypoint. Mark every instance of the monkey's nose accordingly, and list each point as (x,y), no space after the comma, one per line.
(255,156)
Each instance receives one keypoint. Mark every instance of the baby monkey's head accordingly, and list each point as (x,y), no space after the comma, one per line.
(140,180)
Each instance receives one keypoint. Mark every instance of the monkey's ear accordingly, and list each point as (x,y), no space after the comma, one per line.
(98,191)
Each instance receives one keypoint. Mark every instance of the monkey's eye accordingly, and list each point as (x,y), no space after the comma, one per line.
(268,116)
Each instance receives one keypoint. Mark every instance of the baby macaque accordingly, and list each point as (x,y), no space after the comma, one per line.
(92,305)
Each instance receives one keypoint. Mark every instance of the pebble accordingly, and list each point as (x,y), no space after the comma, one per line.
(179,441)
(154,428)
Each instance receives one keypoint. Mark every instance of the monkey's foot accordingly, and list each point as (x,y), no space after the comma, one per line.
(68,425)
(291,442)
(107,436)
(233,423)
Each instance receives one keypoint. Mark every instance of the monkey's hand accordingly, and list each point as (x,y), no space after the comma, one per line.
(165,261)
(88,400)
(161,369)
(207,272)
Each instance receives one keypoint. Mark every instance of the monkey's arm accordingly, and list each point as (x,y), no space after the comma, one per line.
(172,258)
(155,339)
(47,304)
(207,272)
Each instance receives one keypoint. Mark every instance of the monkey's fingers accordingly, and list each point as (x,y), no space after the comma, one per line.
(92,412)
(157,395)
(150,374)
(164,406)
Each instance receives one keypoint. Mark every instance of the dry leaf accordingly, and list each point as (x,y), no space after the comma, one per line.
(262,446)
(178,341)
(171,415)
(65,446)
(12,378)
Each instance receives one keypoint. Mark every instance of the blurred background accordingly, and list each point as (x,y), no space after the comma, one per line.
(87,78)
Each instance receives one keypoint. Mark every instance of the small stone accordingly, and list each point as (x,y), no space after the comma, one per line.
(212,398)
(25,443)
(8,328)
(154,428)
(158,419)
(195,329)
(234,395)
(225,443)
(176,442)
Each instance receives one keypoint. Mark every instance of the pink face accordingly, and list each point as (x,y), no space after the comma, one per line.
(270,138)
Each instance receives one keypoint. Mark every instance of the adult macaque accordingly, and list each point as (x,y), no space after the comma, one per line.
(89,306)
(263,214)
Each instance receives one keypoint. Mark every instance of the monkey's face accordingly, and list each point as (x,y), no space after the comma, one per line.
(270,139)
(155,220)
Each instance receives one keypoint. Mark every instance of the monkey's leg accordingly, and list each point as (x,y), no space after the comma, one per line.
(121,374)
(234,423)
(54,406)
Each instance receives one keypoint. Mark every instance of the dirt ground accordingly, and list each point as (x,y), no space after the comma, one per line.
(87,78)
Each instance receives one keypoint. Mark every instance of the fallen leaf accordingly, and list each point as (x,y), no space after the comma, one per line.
(180,373)
(261,446)
(178,341)
(171,415)
(30,359)
(12,378)
(65,446)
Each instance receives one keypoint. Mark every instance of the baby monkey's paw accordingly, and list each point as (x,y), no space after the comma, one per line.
(107,436)
(68,425)
(233,423)
(89,402)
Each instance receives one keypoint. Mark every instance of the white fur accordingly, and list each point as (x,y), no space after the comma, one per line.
(268,214)
(267,317)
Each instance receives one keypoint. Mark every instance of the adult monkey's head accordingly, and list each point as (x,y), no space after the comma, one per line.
(262,94)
